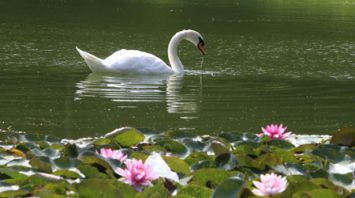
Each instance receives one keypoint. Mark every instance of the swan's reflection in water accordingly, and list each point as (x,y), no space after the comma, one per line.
(130,90)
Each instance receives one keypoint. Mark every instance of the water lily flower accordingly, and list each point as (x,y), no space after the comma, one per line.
(136,174)
(275,131)
(160,168)
(270,184)
(112,154)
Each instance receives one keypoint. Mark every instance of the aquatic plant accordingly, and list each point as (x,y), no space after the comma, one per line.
(112,154)
(275,131)
(136,174)
(220,165)
(270,184)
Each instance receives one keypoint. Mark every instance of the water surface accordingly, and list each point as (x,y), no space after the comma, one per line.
(289,62)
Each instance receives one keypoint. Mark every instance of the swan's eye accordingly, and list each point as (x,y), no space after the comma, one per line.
(200,41)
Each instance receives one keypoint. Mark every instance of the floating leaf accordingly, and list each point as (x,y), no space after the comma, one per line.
(323,193)
(218,148)
(172,146)
(157,191)
(41,163)
(91,171)
(70,150)
(197,156)
(126,137)
(177,165)
(230,188)
(105,188)
(15,193)
(227,161)
(329,154)
(6,173)
(89,157)
(67,174)
(281,144)
(211,177)
(344,136)
(195,191)
(66,162)
(102,141)
(16,152)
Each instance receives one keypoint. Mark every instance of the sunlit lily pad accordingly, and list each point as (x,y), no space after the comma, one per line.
(126,137)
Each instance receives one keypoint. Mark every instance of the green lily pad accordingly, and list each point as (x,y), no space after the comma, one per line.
(230,188)
(67,174)
(172,146)
(218,148)
(177,165)
(91,158)
(246,161)
(203,164)
(70,150)
(195,191)
(323,193)
(105,188)
(197,156)
(66,162)
(157,191)
(330,154)
(138,155)
(126,137)
(102,141)
(211,177)
(91,171)
(226,161)
(6,173)
(15,193)
(281,144)
(41,163)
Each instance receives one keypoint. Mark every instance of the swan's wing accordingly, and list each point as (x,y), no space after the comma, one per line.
(134,61)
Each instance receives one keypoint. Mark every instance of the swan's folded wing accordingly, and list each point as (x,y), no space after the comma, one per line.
(134,61)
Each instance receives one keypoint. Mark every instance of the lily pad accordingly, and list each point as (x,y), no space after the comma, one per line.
(177,165)
(323,193)
(344,136)
(157,191)
(195,191)
(105,188)
(126,137)
(91,158)
(230,188)
(226,161)
(41,163)
(211,177)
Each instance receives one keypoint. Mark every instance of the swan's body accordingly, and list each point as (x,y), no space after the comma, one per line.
(135,61)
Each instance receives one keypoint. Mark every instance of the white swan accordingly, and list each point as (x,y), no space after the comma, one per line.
(134,61)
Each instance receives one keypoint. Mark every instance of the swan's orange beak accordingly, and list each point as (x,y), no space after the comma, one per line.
(201,47)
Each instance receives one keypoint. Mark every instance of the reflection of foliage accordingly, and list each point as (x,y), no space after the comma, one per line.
(226,165)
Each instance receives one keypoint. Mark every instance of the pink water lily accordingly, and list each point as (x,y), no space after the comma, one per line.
(112,154)
(275,131)
(136,174)
(270,184)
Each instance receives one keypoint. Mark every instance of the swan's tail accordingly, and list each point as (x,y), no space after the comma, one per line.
(95,64)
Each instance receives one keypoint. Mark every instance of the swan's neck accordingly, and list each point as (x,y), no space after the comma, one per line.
(174,59)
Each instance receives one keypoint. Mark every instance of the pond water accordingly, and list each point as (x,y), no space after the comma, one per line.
(276,61)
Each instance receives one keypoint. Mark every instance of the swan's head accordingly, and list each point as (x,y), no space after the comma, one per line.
(195,38)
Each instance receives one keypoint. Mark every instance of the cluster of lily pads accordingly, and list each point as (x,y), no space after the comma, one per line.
(130,163)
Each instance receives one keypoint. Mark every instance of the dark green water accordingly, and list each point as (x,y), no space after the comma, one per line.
(275,61)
